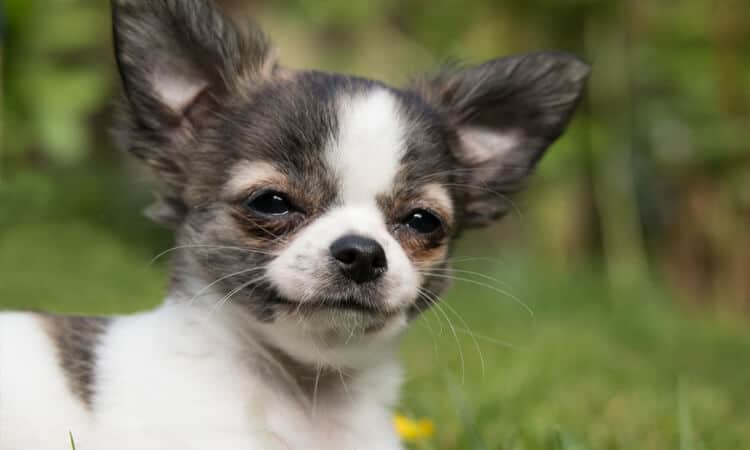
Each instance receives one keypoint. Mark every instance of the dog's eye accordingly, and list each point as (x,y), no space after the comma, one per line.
(422,221)
(270,203)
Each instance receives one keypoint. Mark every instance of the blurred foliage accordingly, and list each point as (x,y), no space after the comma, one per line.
(57,77)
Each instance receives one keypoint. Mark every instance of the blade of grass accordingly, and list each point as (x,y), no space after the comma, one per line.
(684,420)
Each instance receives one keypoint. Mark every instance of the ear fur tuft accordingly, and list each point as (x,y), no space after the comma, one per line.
(506,112)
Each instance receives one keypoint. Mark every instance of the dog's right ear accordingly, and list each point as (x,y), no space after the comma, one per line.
(178,60)
(506,112)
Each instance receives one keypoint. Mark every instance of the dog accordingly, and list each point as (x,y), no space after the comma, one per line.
(313,215)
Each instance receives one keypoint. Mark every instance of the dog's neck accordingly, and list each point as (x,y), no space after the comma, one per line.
(310,367)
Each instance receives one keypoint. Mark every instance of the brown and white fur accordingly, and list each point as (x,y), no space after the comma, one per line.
(310,210)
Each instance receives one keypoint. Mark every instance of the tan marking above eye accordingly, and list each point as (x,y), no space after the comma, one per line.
(423,252)
(427,258)
(246,175)
(436,197)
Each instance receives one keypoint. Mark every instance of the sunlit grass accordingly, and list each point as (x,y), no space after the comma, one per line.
(587,372)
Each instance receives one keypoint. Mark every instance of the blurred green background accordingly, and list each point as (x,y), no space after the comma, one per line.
(632,247)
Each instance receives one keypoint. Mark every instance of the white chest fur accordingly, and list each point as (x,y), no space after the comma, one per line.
(37,408)
(180,377)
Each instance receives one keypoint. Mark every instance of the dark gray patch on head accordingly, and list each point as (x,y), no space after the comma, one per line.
(428,156)
(76,339)
(284,122)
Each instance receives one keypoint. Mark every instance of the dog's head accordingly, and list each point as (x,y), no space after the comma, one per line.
(329,200)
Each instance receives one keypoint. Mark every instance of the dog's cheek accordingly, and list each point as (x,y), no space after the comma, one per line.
(220,245)
(424,253)
(429,257)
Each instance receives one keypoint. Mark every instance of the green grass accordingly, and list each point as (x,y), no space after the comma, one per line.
(591,369)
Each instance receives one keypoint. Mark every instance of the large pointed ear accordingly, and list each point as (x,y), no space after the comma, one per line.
(178,60)
(506,113)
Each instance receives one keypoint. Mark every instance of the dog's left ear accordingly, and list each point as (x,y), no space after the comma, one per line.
(175,56)
(506,113)
(179,61)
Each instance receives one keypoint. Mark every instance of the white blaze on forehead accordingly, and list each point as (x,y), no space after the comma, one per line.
(371,141)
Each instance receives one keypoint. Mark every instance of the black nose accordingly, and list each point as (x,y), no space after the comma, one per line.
(361,259)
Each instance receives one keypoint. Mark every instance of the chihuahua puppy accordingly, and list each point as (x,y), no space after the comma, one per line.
(310,210)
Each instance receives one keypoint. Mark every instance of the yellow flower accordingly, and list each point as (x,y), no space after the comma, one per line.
(413,430)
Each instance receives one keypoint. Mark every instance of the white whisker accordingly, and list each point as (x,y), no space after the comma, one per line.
(442,270)
(476,343)
(226,298)
(435,302)
(221,247)
(488,339)
(218,280)
(488,286)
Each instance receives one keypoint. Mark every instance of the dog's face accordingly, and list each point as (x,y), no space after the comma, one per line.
(326,199)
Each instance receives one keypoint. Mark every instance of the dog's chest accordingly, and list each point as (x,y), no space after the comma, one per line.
(167,380)
(331,427)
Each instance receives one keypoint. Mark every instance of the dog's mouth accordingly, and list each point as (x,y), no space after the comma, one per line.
(334,304)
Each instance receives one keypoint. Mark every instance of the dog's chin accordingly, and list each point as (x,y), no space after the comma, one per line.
(334,305)
(345,315)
